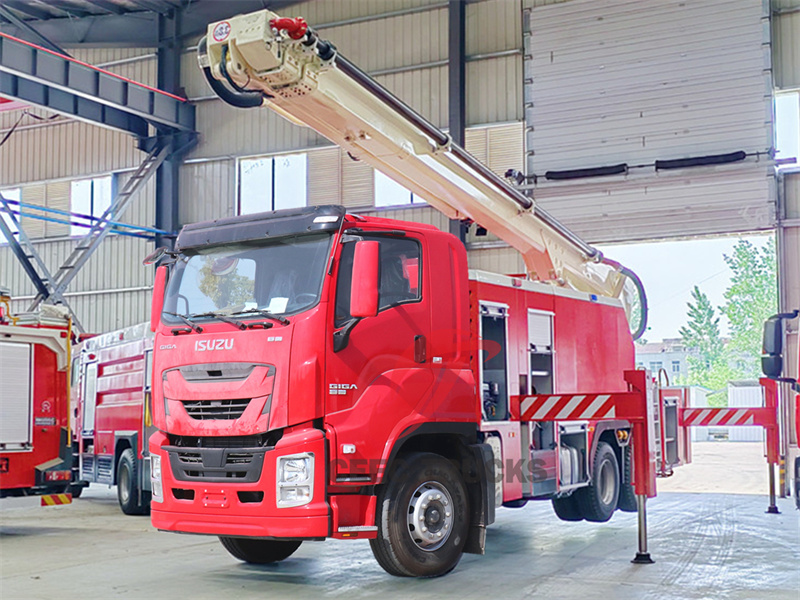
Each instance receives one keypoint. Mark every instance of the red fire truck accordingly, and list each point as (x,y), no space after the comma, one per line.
(321,374)
(112,385)
(36,449)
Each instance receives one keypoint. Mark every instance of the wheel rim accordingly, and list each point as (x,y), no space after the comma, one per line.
(606,481)
(124,484)
(430,516)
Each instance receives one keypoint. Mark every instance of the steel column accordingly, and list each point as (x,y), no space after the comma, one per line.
(457,94)
(169,78)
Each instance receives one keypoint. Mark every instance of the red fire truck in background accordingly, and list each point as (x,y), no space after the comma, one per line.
(111,387)
(320,374)
(36,448)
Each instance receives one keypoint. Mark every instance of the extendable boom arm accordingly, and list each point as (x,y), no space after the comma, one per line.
(261,59)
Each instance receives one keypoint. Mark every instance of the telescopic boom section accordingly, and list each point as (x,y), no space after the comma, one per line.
(261,59)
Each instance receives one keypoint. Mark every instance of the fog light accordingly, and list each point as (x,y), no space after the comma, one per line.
(295,480)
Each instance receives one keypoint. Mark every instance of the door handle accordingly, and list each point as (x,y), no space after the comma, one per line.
(420,349)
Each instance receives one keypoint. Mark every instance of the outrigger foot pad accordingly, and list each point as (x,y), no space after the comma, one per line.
(643,558)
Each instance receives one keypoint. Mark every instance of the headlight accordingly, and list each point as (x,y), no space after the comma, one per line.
(295,480)
(155,479)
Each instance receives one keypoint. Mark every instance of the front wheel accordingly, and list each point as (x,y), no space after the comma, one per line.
(132,500)
(259,552)
(423,518)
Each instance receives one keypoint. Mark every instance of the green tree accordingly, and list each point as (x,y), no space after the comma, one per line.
(751,298)
(701,333)
(708,360)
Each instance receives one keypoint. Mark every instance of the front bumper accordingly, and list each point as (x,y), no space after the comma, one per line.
(217,501)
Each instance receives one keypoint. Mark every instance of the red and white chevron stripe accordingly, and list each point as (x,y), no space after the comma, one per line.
(719,416)
(567,408)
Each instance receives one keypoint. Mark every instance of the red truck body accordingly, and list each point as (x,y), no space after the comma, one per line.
(36,453)
(439,369)
(112,382)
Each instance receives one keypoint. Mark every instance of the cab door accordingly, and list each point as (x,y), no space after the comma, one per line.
(378,368)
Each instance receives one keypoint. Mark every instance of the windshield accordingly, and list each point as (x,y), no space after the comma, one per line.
(281,276)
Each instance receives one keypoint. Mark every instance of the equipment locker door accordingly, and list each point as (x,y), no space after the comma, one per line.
(16,366)
(89,398)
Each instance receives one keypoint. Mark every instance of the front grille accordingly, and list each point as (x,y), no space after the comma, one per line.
(264,440)
(231,458)
(239,458)
(225,410)
(216,464)
(190,458)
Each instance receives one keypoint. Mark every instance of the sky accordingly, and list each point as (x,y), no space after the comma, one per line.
(669,271)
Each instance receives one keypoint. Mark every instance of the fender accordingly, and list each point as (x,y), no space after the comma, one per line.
(600,428)
(142,465)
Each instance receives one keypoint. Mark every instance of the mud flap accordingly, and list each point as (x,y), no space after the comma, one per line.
(796,482)
(479,476)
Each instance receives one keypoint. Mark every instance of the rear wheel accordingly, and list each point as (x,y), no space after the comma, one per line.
(259,552)
(423,518)
(598,500)
(567,508)
(132,500)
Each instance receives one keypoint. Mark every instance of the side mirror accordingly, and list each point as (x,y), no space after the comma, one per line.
(157,304)
(364,286)
(771,356)
(155,256)
(772,345)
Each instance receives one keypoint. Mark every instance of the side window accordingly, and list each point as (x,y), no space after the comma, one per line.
(400,275)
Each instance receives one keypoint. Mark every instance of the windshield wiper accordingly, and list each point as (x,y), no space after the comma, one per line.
(221,317)
(264,313)
(194,326)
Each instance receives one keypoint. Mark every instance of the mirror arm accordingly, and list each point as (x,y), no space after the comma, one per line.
(342,337)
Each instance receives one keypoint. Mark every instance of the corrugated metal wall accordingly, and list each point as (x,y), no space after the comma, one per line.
(786,43)
(622,82)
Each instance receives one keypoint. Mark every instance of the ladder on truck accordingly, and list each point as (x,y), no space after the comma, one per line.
(260,59)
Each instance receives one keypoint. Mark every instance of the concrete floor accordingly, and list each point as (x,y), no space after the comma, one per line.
(723,468)
(705,546)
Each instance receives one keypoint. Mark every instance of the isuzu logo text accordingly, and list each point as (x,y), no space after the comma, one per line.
(202,345)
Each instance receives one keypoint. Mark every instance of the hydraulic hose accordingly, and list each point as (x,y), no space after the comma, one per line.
(239,99)
(642,325)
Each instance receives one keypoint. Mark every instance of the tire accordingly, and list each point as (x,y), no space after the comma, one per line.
(426,488)
(259,552)
(128,492)
(598,500)
(76,490)
(627,495)
(567,508)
